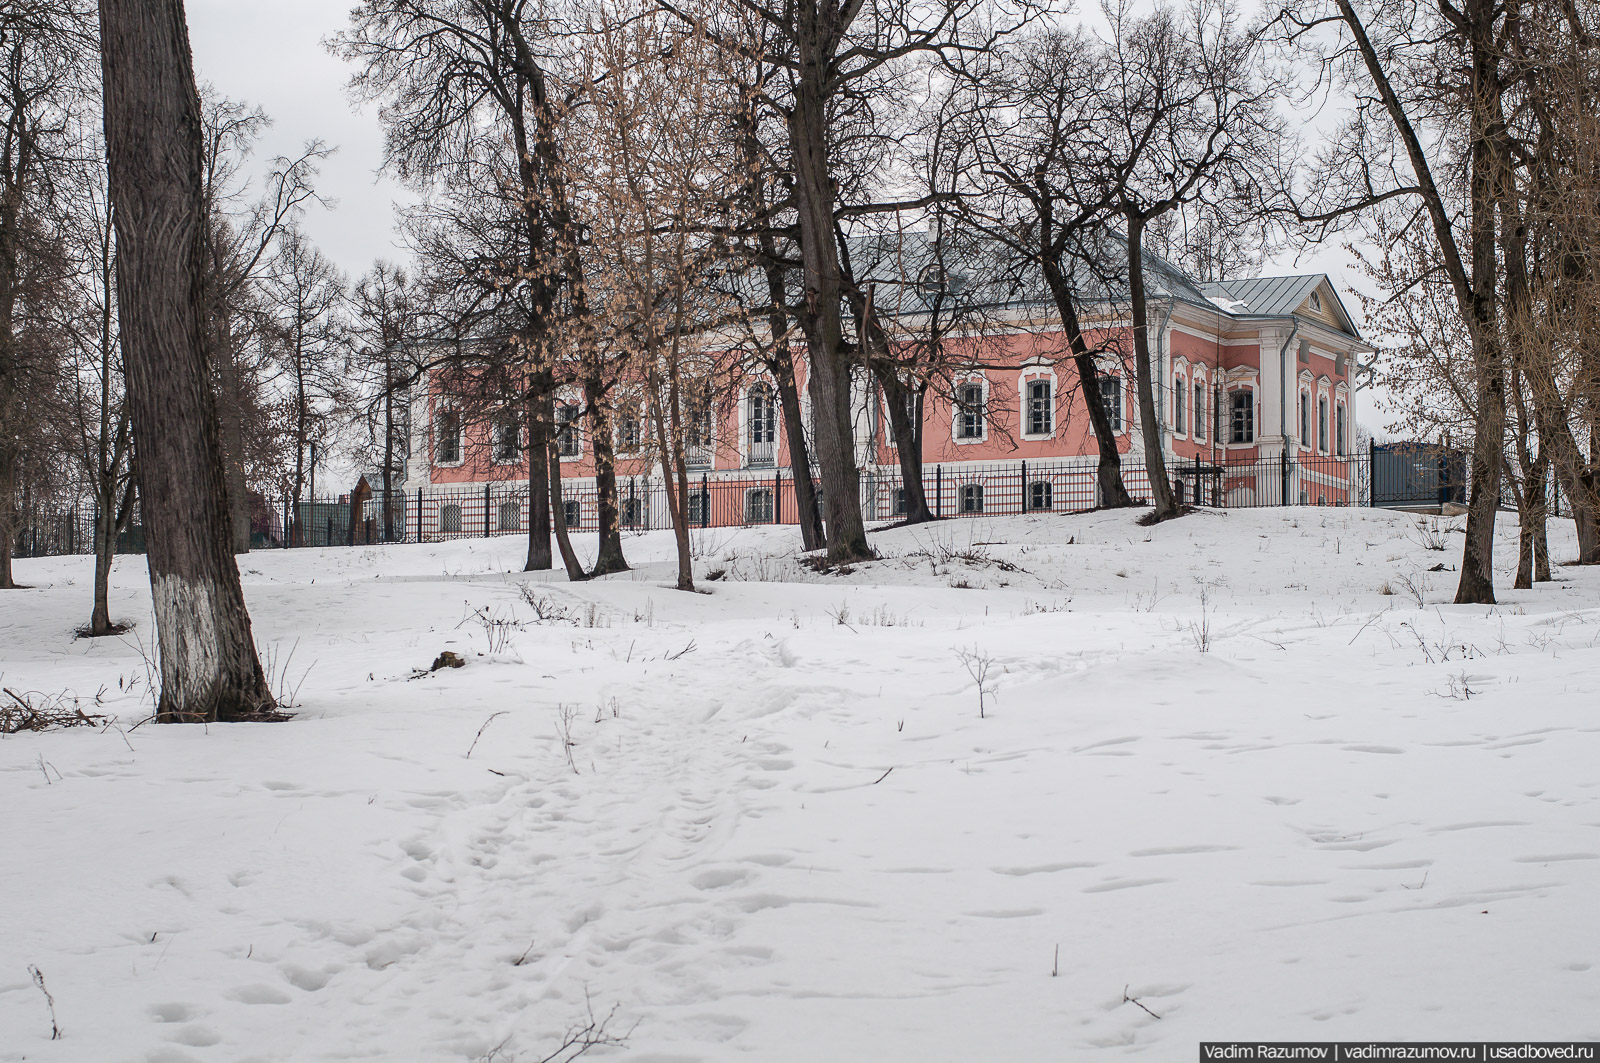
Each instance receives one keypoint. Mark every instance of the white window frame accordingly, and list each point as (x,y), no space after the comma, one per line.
(1119,418)
(1249,388)
(1198,392)
(1030,376)
(958,414)
(1180,400)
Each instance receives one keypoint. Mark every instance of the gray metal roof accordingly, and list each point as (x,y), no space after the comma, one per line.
(1275,296)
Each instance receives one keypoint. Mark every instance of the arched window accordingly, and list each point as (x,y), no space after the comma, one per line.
(510,517)
(450,519)
(761,427)
(1179,404)
(972,498)
(447,437)
(758,505)
(1039,493)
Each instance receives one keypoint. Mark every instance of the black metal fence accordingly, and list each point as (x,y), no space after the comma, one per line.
(1408,477)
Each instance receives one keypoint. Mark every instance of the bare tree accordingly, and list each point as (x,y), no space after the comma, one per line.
(386,359)
(209,668)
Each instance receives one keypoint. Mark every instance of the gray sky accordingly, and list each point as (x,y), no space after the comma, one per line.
(271,54)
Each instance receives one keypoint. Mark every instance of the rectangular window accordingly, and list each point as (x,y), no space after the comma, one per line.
(1199,411)
(507,438)
(1322,425)
(969,411)
(1305,418)
(1111,399)
(572,513)
(700,508)
(569,438)
(1339,438)
(1242,419)
(1041,408)
(447,441)
(630,430)
(1178,405)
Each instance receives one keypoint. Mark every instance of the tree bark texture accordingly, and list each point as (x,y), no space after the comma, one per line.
(209,668)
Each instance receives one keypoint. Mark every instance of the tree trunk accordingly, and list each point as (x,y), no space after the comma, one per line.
(608,557)
(209,667)
(539,422)
(781,364)
(1155,461)
(558,518)
(907,440)
(230,423)
(822,321)
(1113,493)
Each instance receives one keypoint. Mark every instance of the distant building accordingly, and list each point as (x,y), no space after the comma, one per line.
(1247,373)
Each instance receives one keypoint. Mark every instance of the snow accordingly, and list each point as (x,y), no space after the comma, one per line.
(785,833)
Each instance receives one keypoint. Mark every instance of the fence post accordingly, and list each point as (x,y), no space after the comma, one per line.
(486,510)
(1372,472)
(938,490)
(419,514)
(1284,457)
(705,501)
(777,492)
(1023,503)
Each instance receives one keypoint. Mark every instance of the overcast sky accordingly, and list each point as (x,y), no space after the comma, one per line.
(271,54)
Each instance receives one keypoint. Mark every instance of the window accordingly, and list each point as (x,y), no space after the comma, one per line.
(569,435)
(698,430)
(1039,494)
(572,512)
(1041,408)
(1322,424)
(899,503)
(630,430)
(1199,410)
(447,437)
(1242,416)
(969,411)
(700,508)
(971,498)
(1178,404)
(758,506)
(507,437)
(450,519)
(761,426)
(510,517)
(1111,399)
(1340,439)
(633,513)
(1305,418)
(1315,301)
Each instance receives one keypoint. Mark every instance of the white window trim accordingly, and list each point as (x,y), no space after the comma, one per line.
(1197,379)
(744,418)
(1228,389)
(1123,420)
(1180,380)
(955,410)
(1030,375)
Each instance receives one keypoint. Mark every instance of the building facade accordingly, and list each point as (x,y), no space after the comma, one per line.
(1256,396)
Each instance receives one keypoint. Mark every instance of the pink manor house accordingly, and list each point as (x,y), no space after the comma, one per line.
(1255,386)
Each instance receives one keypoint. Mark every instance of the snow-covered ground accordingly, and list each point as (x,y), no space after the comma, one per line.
(1223,786)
